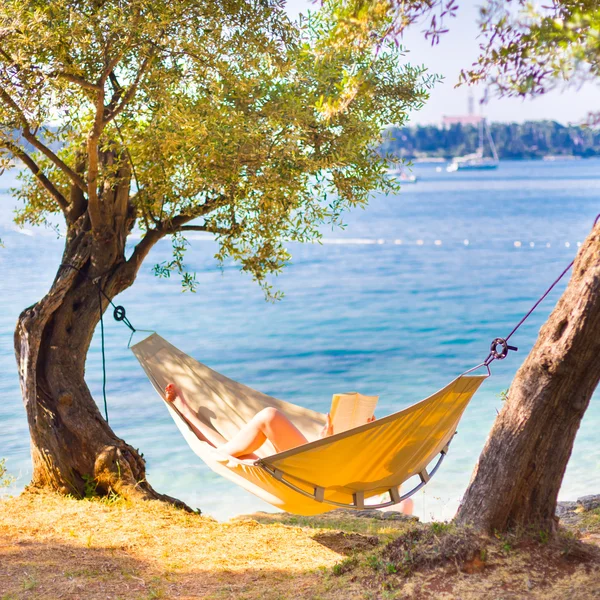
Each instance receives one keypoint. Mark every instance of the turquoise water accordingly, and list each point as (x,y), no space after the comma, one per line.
(398,304)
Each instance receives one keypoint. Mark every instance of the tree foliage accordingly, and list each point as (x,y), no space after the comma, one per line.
(226,117)
(528,48)
(355,17)
(6,480)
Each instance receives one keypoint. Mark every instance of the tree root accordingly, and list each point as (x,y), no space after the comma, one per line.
(121,470)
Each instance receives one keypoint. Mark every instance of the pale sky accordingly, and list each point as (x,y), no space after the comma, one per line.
(457,50)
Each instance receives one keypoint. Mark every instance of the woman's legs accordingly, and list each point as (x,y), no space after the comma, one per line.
(268,424)
(407,506)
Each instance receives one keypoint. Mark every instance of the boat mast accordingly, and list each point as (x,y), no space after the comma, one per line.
(480,146)
(491,141)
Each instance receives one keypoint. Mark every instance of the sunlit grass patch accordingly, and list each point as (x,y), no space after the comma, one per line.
(343,520)
(52,546)
(590,520)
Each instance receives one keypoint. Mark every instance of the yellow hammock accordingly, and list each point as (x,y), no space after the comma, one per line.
(342,470)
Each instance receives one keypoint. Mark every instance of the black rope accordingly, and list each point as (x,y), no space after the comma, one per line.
(119,315)
(103,353)
(502,343)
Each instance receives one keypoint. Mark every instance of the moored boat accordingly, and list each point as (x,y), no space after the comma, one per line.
(477,160)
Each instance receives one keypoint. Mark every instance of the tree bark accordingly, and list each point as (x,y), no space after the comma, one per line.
(516,481)
(72,445)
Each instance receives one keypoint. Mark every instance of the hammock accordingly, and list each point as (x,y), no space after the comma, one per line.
(343,470)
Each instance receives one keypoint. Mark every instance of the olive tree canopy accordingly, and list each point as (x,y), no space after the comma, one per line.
(167,117)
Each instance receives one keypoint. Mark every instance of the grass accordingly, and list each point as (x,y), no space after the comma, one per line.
(590,521)
(6,480)
(57,547)
(340,520)
(29,583)
(439,560)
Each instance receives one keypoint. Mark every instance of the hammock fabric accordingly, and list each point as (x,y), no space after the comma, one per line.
(341,470)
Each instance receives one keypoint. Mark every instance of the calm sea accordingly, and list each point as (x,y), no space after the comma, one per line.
(408,296)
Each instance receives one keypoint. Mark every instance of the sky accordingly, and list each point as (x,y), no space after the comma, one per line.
(457,50)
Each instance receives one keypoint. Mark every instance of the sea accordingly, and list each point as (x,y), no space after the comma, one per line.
(408,295)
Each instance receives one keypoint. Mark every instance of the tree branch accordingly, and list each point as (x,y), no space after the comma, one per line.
(110,64)
(131,267)
(218,230)
(35,142)
(80,81)
(93,159)
(175,224)
(192,228)
(110,112)
(141,250)
(33,167)
(78,202)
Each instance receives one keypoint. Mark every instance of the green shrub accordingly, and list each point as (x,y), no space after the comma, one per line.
(5,478)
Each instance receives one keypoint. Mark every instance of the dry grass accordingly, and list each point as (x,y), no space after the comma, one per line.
(444,562)
(53,547)
(590,521)
(386,525)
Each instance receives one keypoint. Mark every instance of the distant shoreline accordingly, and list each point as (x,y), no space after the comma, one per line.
(445,159)
(533,140)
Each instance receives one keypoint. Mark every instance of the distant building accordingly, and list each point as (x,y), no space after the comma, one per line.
(447,122)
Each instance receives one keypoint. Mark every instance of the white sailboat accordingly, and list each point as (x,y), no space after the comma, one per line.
(477,160)
(402,175)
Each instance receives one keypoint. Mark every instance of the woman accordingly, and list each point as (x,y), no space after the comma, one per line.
(268,424)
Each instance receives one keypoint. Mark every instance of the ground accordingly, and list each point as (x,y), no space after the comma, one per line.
(54,547)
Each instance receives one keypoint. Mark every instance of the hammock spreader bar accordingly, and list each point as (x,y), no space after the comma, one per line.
(359,497)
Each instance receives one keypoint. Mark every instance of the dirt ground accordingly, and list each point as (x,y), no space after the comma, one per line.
(53,547)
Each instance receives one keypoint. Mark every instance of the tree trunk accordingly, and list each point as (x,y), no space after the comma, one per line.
(72,445)
(518,476)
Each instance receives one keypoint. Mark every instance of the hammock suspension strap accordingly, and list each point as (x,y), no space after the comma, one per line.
(499,347)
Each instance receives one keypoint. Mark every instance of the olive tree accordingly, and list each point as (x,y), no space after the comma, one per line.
(159,118)
(526,52)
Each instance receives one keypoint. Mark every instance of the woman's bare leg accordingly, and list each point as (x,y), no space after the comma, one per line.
(268,424)
(407,506)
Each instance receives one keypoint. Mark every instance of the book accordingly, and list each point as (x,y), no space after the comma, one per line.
(351,410)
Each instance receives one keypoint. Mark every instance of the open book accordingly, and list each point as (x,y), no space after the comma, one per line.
(351,410)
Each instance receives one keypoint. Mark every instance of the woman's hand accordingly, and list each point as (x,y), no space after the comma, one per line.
(327,428)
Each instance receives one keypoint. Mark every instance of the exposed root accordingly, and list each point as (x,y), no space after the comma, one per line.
(121,470)
(433,545)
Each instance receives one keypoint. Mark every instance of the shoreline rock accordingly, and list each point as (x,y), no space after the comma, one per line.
(572,514)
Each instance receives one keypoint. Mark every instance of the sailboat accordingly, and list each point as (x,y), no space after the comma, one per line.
(401,174)
(477,160)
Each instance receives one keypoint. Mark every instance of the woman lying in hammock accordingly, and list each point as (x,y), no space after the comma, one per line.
(268,424)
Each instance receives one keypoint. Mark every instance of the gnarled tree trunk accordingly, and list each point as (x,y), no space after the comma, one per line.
(519,473)
(72,445)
